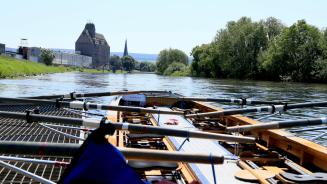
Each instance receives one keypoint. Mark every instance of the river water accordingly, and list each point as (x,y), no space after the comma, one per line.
(63,83)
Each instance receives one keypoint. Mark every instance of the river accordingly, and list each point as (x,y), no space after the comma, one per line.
(63,83)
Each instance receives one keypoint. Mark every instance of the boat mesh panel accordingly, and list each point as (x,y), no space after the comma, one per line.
(19,130)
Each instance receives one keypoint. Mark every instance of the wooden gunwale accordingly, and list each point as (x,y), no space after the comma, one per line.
(306,151)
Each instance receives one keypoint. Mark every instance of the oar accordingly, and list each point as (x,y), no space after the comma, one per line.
(87,105)
(241,101)
(68,149)
(94,123)
(98,94)
(271,109)
(278,125)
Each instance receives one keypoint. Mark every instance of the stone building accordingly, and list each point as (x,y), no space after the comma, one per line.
(94,45)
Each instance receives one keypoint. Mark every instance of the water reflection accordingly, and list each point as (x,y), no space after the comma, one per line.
(67,82)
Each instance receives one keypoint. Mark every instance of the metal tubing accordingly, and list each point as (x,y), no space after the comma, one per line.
(34,161)
(271,109)
(63,133)
(226,112)
(39,117)
(131,109)
(223,100)
(308,129)
(319,136)
(126,126)
(278,125)
(182,133)
(82,105)
(99,94)
(67,127)
(68,150)
(26,173)
(169,156)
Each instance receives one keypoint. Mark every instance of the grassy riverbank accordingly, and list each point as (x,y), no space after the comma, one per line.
(11,67)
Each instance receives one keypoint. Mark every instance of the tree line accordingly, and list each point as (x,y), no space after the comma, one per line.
(128,63)
(265,50)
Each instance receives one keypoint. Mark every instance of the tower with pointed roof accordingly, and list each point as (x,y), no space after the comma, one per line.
(125,49)
(94,45)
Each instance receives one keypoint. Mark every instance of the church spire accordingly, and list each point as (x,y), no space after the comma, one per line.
(125,49)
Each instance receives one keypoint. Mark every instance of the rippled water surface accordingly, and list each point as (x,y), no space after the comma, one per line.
(64,83)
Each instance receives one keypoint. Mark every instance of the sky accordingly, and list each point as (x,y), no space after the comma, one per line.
(148,25)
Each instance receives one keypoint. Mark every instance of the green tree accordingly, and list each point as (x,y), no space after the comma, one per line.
(234,51)
(147,67)
(205,64)
(175,67)
(320,71)
(324,43)
(128,63)
(46,56)
(293,54)
(168,56)
(320,66)
(238,46)
(273,27)
(115,63)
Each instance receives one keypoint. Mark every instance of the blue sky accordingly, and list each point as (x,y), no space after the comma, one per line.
(149,25)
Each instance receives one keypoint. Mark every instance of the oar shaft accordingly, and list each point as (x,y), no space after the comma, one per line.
(307,104)
(26,100)
(271,109)
(68,149)
(98,94)
(87,105)
(181,133)
(93,123)
(278,125)
(228,112)
(170,156)
(223,100)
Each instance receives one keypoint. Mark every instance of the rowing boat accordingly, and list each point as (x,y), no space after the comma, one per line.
(275,154)
(164,137)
